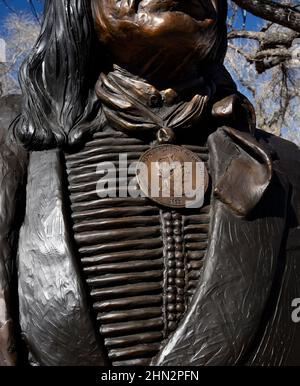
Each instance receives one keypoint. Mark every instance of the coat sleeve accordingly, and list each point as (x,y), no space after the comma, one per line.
(13,161)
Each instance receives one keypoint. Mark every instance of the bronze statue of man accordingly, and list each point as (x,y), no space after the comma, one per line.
(89,279)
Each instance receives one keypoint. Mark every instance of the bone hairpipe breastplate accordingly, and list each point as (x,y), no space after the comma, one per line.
(141,262)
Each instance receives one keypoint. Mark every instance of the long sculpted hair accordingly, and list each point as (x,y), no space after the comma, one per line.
(59,76)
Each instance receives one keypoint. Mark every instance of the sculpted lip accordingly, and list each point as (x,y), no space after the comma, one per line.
(205,15)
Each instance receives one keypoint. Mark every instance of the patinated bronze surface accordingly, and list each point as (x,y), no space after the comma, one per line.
(93,279)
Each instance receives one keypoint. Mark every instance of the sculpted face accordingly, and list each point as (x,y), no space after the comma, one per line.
(157,38)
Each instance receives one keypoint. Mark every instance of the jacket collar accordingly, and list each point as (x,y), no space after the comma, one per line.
(242,169)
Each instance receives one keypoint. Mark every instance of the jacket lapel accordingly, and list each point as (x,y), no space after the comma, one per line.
(54,314)
(241,259)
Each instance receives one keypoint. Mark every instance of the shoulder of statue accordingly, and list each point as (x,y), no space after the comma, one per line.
(286,160)
(286,154)
(12,207)
(12,153)
(13,168)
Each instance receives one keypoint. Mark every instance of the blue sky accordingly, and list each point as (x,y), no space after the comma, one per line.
(252,22)
(9,6)
(17,6)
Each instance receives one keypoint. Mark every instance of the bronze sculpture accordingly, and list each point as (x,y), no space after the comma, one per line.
(87,280)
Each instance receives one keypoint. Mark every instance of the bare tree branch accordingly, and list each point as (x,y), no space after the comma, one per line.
(282,14)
